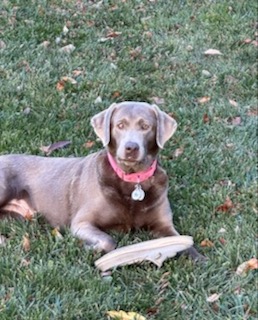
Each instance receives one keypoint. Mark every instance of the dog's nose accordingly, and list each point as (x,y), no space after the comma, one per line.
(131,149)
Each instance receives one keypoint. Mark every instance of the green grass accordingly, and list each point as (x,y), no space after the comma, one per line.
(159,53)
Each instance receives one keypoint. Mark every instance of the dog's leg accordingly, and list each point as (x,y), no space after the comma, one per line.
(94,238)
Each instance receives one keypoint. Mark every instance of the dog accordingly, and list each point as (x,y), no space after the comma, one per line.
(122,187)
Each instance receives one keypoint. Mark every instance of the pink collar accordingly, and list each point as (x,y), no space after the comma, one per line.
(132,177)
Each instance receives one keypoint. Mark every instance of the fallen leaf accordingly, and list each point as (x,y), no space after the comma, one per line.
(158,100)
(204,99)
(222,241)
(253,263)
(207,243)
(236,121)
(67,49)
(252,112)
(122,315)
(56,233)
(134,53)
(25,262)
(247,41)
(222,230)
(65,30)
(26,243)
(226,206)
(214,297)
(60,85)
(152,311)
(113,34)
(212,52)
(246,266)
(69,79)
(98,100)
(116,94)
(178,152)
(255,43)
(2,45)
(89,144)
(233,103)
(205,118)
(45,44)
(77,73)
(54,146)
(2,240)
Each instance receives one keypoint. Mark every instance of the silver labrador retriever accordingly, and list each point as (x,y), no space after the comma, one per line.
(121,187)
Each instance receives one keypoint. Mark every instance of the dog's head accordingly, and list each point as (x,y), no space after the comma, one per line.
(133,132)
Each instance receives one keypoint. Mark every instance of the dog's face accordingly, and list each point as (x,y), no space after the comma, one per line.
(133,133)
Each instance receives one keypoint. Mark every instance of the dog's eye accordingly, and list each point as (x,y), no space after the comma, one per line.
(120,125)
(145,126)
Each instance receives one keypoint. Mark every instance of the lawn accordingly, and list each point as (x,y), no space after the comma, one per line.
(147,51)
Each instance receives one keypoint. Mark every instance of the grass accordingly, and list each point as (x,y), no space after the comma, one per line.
(159,53)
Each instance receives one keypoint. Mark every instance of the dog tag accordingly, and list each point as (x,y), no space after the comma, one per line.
(138,194)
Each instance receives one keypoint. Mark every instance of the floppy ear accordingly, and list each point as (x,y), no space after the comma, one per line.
(101,124)
(166,126)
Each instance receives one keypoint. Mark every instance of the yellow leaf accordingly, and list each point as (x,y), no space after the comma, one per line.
(213,52)
(55,232)
(204,99)
(207,243)
(214,297)
(246,266)
(233,103)
(26,243)
(122,315)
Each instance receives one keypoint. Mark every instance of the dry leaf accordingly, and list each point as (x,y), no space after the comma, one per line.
(77,73)
(255,43)
(178,152)
(2,45)
(222,241)
(67,49)
(158,100)
(54,146)
(89,144)
(45,44)
(122,315)
(233,103)
(98,100)
(2,240)
(204,99)
(25,262)
(26,243)
(212,52)
(69,79)
(252,112)
(226,206)
(60,85)
(247,41)
(246,266)
(56,233)
(214,297)
(205,118)
(65,30)
(236,121)
(116,94)
(113,34)
(207,243)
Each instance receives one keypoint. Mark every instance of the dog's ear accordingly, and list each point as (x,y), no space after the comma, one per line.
(101,124)
(166,126)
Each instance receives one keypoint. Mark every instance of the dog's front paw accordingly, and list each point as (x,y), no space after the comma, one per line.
(101,245)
